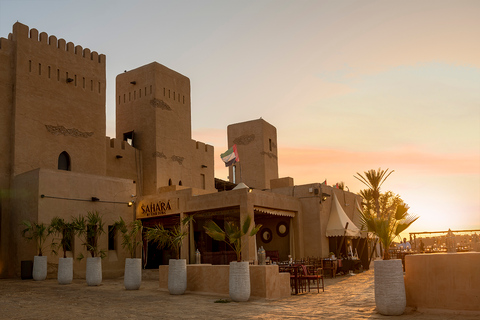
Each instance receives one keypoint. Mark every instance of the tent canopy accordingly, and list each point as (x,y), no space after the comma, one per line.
(337,221)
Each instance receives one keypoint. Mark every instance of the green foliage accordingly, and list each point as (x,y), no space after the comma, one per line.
(384,214)
(130,234)
(169,238)
(66,231)
(90,229)
(233,233)
(38,232)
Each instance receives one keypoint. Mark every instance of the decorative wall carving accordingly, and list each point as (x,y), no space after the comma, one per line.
(244,140)
(269,154)
(159,155)
(58,130)
(160,104)
(178,159)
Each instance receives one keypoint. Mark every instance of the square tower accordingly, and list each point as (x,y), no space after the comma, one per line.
(153,113)
(53,100)
(256,142)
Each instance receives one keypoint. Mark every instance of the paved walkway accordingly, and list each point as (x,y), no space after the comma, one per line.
(345,297)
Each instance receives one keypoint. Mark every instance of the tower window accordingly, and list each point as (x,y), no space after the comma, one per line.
(128,136)
(64,161)
(270,144)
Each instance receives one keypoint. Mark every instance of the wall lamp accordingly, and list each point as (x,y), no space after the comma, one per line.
(119,156)
(69,80)
(95,199)
(325,196)
(133,82)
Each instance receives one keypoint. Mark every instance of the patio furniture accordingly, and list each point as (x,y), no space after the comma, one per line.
(296,281)
(311,276)
(330,266)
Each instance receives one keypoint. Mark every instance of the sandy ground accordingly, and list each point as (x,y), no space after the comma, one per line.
(345,297)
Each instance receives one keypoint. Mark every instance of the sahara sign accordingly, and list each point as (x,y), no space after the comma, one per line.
(153,209)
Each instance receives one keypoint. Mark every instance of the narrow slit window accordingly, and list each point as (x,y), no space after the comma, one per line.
(139,93)
(39,69)
(58,74)
(111,237)
(164,92)
(91,85)
(29,65)
(49,71)
(83,82)
(99,87)
(173,95)
(183,99)
(75,80)
(118,99)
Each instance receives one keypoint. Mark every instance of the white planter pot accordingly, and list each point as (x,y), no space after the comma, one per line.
(65,270)
(177,276)
(239,281)
(133,274)
(39,268)
(94,271)
(390,297)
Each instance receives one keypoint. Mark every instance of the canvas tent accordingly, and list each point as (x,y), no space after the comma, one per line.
(337,221)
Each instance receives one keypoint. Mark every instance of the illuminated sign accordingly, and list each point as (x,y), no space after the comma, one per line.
(153,209)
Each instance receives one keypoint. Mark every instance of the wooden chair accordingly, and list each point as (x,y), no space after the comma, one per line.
(330,265)
(312,277)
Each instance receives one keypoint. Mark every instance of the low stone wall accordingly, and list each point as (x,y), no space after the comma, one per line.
(443,281)
(265,281)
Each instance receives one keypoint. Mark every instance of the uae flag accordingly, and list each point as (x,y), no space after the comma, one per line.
(230,156)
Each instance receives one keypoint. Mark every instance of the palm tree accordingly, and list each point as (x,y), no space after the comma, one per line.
(384,214)
(374,180)
(232,234)
(38,232)
(66,230)
(171,238)
(130,234)
(389,225)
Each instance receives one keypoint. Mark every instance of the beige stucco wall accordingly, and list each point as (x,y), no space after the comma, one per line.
(265,281)
(69,194)
(443,281)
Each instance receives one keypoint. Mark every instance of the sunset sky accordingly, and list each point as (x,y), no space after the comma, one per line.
(349,85)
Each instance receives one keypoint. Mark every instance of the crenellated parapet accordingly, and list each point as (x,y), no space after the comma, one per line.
(21,32)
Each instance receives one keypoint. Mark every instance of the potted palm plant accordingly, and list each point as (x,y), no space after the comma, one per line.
(239,275)
(66,232)
(38,232)
(132,239)
(386,216)
(173,238)
(90,229)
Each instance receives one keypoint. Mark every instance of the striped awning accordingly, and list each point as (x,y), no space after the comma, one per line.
(275,212)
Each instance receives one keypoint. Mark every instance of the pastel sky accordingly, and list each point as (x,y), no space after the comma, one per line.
(349,85)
